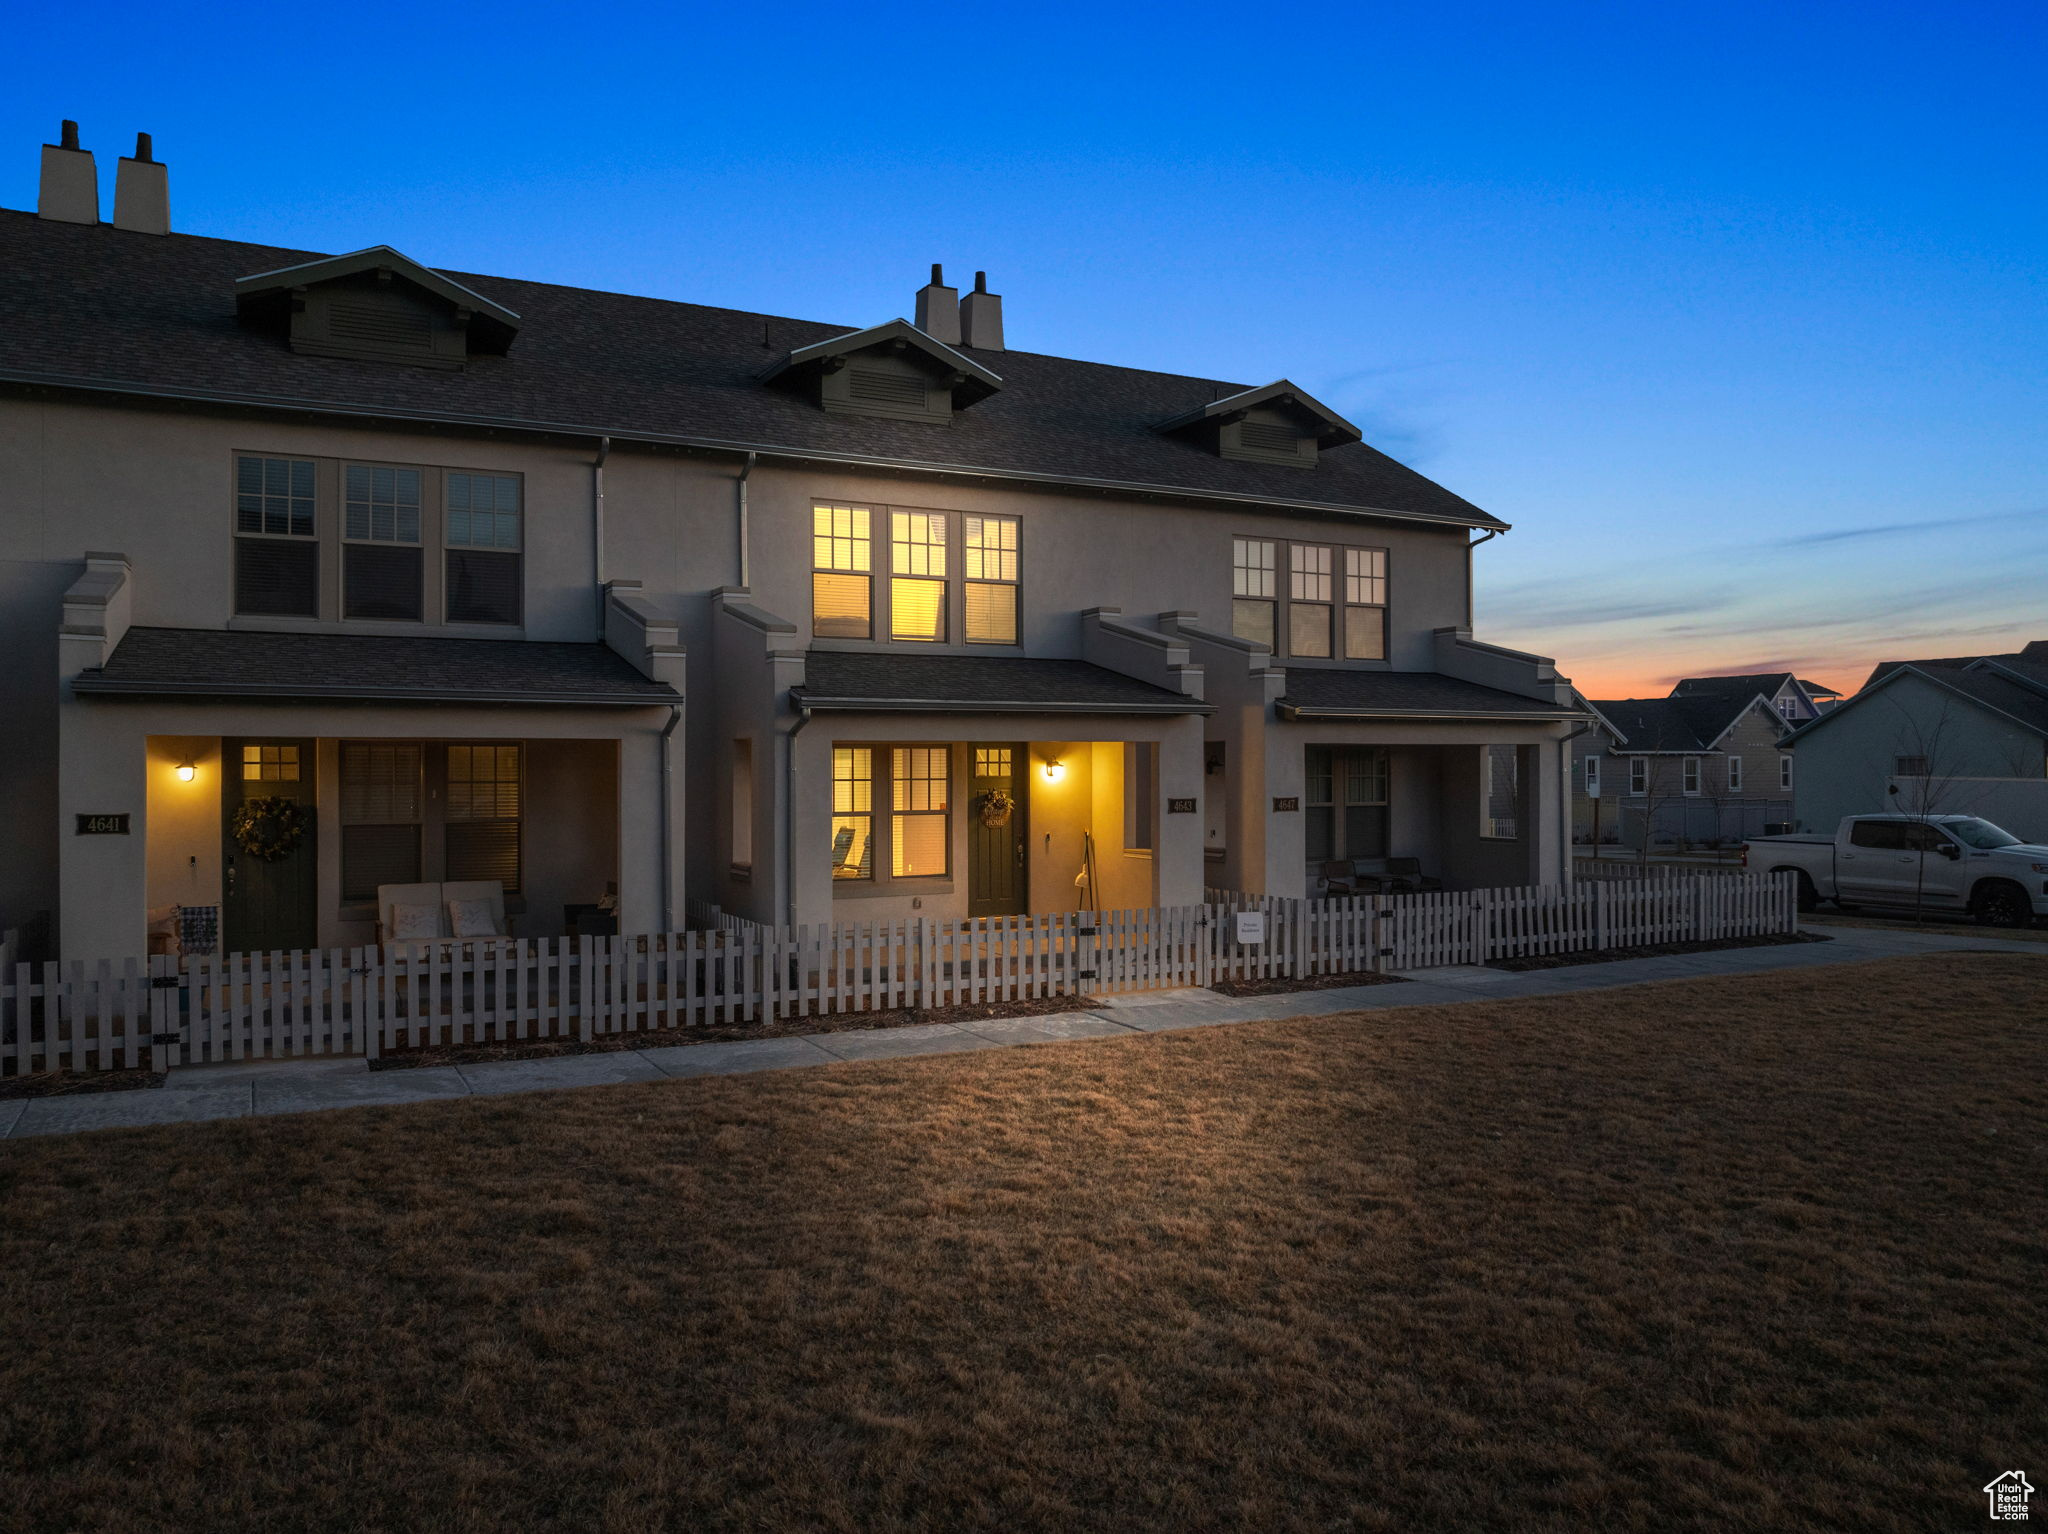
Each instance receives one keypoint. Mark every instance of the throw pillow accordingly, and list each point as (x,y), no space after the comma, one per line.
(472,918)
(414,921)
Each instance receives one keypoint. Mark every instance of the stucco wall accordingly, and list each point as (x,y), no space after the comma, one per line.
(31,607)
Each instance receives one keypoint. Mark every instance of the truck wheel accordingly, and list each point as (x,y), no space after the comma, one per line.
(1809,897)
(1999,903)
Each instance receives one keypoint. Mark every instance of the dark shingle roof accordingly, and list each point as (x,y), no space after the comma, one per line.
(1747,687)
(222,663)
(1406,694)
(1677,723)
(95,306)
(2002,693)
(2035,652)
(967,684)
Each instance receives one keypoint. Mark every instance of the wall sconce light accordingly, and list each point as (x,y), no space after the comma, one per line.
(186,772)
(1055,770)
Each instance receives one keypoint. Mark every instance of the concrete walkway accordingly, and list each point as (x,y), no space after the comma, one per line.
(303,1086)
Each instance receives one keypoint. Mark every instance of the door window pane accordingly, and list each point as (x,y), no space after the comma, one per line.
(270,764)
(920,843)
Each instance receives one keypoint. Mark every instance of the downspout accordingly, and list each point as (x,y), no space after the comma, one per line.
(1495,533)
(668,858)
(1564,747)
(746,531)
(803,717)
(604,451)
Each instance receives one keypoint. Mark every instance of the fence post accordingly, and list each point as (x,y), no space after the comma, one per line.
(1600,914)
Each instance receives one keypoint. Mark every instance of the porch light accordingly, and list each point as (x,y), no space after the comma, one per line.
(1055,769)
(186,771)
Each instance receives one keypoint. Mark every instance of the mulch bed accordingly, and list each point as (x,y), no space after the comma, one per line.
(1652,951)
(1279,985)
(77,1084)
(723,1033)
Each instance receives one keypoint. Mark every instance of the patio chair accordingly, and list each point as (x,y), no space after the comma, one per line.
(1338,877)
(1413,880)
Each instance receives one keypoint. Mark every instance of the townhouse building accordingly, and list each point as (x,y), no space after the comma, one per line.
(1705,766)
(323,575)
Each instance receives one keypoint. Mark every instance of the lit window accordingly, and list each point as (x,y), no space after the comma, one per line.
(1308,600)
(270,764)
(991,595)
(1252,589)
(841,558)
(917,580)
(853,818)
(920,842)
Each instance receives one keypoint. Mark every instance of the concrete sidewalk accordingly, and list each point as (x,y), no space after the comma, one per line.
(265,1087)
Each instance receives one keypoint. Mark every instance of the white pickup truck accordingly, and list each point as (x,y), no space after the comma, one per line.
(1933,863)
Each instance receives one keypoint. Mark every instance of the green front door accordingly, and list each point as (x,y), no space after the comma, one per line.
(267,902)
(996,883)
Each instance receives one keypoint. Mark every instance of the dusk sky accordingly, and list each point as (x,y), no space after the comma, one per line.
(1737,313)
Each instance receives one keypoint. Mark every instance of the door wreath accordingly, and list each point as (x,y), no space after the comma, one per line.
(269,827)
(996,808)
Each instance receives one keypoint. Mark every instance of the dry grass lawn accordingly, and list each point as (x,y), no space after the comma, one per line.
(1733,1254)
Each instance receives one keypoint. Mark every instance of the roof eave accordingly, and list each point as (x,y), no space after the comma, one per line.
(326,268)
(1293,711)
(793,455)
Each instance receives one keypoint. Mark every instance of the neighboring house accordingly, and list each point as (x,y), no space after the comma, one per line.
(1703,766)
(1792,700)
(440,559)
(1960,735)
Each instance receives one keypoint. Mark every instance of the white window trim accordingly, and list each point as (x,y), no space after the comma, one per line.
(1734,771)
(1638,776)
(1689,777)
(1592,777)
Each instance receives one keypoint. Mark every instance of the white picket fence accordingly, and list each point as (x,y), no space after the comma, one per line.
(164,1012)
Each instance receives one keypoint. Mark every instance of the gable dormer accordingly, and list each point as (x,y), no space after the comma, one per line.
(893,370)
(1278,423)
(376,305)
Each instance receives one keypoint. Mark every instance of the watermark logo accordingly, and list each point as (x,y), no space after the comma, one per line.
(2008,1496)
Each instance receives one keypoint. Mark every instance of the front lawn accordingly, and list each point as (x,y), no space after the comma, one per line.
(1767,1253)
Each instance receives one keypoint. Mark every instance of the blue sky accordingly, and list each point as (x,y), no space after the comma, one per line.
(1737,313)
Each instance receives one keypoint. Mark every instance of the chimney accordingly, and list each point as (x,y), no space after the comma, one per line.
(938,309)
(70,188)
(142,192)
(981,317)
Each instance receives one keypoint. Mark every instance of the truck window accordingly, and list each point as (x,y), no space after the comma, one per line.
(1885,835)
(1923,838)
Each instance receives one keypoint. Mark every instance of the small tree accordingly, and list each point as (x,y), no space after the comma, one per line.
(1923,779)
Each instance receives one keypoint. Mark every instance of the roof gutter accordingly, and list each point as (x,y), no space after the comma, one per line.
(1294,711)
(790,455)
(987,706)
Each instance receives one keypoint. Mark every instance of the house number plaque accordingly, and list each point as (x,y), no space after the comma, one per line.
(103,825)
(1180,806)
(1282,806)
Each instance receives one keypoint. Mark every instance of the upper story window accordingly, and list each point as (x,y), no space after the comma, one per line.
(931,597)
(1638,775)
(1592,777)
(842,555)
(1333,602)
(917,575)
(1689,775)
(1734,774)
(277,555)
(1785,773)
(483,539)
(411,543)
(1253,591)
(990,610)
(382,572)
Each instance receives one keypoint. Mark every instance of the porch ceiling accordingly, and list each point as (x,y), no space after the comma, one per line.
(1317,693)
(218,663)
(868,682)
